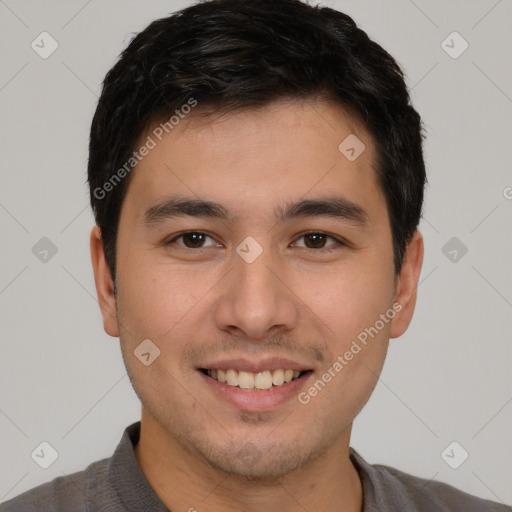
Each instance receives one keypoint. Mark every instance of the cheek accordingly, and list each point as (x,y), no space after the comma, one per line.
(348,299)
(154,295)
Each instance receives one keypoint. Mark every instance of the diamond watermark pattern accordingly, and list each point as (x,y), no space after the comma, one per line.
(352,147)
(249,250)
(454,249)
(44,250)
(44,455)
(454,455)
(44,45)
(146,352)
(454,45)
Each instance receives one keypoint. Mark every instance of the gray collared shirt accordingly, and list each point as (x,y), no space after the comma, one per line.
(117,484)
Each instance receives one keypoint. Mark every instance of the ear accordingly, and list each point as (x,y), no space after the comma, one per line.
(104,283)
(407,286)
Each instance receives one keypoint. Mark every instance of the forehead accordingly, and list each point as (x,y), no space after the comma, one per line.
(280,152)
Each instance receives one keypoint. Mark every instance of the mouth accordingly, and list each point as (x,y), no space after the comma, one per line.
(255,381)
(255,386)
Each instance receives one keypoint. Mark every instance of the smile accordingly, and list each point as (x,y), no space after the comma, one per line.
(260,381)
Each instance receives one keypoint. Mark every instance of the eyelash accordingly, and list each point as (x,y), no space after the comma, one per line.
(338,242)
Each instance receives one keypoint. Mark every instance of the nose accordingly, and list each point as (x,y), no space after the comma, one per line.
(255,299)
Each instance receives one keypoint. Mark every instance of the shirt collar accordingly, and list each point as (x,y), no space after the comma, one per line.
(137,495)
(127,478)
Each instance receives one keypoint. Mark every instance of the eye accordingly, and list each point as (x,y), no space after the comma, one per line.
(315,240)
(192,240)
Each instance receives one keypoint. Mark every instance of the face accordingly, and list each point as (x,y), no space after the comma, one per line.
(252,250)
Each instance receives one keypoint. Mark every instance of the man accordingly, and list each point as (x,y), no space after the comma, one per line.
(256,174)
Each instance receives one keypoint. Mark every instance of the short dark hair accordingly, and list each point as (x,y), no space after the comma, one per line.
(235,54)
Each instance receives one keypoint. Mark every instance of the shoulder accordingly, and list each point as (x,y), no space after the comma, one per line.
(386,488)
(424,494)
(65,493)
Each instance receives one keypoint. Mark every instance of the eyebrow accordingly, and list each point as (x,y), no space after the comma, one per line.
(182,207)
(334,207)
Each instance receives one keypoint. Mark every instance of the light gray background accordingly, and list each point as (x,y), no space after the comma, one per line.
(448,378)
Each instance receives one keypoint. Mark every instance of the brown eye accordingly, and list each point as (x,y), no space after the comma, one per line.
(317,241)
(192,240)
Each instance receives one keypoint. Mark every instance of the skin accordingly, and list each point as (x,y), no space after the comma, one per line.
(306,304)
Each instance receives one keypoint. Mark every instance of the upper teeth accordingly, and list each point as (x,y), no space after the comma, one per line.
(249,380)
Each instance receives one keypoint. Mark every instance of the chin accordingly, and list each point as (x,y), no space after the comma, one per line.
(259,460)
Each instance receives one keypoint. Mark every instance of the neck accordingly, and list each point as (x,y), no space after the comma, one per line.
(183,481)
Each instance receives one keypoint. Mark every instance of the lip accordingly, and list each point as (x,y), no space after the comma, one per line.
(256,401)
(261,365)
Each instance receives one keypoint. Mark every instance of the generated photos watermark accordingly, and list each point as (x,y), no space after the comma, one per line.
(355,348)
(158,133)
